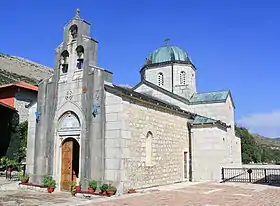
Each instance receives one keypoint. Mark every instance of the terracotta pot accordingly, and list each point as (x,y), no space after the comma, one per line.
(131,191)
(25,180)
(50,189)
(110,193)
(78,188)
(91,190)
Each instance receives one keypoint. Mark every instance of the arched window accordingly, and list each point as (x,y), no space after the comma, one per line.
(64,61)
(80,56)
(182,78)
(160,79)
(73,31)
(149,152)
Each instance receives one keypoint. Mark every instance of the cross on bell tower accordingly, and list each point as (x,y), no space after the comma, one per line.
(78,13)
(167,41)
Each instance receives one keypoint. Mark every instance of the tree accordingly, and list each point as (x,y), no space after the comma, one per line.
(254,152)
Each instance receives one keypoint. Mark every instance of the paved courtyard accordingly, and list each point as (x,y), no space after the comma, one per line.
(183,194)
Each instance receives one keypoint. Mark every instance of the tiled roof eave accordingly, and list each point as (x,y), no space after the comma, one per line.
(216,123)
(151,65)
(208,102)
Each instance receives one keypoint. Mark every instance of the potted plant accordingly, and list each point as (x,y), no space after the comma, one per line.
(131,190)
(50,183)
(78,187)
(111,190)
(46,180)
(92,186)
(73,188)
(103,188)
(24,178)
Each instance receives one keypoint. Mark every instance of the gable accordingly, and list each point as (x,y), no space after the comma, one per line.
(197,98)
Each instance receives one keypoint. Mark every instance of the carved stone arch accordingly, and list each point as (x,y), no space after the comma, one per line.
(69,121)
(147,128)
(70,106)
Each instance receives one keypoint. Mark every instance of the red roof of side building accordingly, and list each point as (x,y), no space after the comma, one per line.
(7,106)
(21,85)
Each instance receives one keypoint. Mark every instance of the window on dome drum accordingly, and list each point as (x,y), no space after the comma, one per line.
(64,61)
(149,152)
(160,79)
(182,78)
(80,57)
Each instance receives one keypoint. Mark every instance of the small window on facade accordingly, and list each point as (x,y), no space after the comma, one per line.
(80,57)
(149,138)
(64,61)
(160,79)
(182,78)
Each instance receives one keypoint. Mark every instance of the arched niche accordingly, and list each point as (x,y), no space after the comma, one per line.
(73,32)
(64,57)
(80,56)
(69,121)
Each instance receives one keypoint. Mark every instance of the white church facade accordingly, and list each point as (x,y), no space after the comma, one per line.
(162,131)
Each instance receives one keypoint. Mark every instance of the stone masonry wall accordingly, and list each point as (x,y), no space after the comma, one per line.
(218,111)
(22,99)
(169,141)
(209,153)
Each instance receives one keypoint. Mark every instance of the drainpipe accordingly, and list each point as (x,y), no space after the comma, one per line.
(190,151)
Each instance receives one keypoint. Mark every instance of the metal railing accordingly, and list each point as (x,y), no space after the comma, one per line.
(251,175)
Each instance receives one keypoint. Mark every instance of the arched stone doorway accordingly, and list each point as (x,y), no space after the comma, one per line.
(69,130)
(70,157)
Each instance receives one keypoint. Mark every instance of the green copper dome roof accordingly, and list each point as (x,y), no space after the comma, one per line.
(167,54)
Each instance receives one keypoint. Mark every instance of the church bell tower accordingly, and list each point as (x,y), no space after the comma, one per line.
(78,51)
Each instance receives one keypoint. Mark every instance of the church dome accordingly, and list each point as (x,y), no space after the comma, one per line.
(167,54)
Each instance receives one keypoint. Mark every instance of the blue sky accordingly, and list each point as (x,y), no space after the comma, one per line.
(234,44)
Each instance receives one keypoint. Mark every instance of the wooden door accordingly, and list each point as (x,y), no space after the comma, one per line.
(66,164)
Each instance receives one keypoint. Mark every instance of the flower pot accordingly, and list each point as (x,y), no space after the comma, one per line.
(78,188)
(131,191)
(102,193)
(91,190)
(50,190)
(110,193)
(24,180)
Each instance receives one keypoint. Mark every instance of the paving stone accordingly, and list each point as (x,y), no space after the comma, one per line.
(203,194)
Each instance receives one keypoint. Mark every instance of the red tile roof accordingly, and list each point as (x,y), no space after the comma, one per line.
(7,106)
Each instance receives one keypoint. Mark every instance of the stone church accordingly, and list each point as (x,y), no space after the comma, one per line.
(161,131)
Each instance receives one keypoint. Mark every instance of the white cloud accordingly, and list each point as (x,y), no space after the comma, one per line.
(266,124)
(125,85)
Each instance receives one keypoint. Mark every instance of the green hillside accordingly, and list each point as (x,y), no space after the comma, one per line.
(258,149)
(8,77)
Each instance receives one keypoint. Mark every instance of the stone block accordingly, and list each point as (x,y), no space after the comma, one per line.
(113,153)
(111,117)
(112,133)
(114,108)
(111,175)
(113,164)
(114,125)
